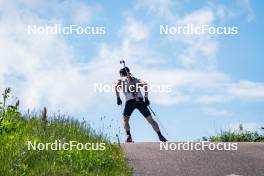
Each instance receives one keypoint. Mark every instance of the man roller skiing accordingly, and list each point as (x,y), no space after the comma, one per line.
(130,86)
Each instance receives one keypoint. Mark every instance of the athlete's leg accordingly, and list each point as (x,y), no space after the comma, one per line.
(127,128)
(141,106)
(153,123)
(129,108)
(155,126)
(126,123)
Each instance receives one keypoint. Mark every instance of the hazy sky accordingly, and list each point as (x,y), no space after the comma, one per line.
(217,80)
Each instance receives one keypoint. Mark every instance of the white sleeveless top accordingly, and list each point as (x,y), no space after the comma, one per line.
(124,83)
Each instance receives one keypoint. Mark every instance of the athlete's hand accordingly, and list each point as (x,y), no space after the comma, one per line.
(147,101)
(119,101)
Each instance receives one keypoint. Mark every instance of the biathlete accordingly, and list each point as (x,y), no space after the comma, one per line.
(130,86)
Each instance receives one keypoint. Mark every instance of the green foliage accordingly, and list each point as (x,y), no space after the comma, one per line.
(16,159)
(10,118)
(235,136)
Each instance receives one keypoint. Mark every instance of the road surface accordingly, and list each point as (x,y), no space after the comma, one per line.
(148,160)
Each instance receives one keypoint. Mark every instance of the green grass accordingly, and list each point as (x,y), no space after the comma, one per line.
(16,159)
(235,136)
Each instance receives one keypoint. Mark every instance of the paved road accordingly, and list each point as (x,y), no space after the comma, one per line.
(148,160)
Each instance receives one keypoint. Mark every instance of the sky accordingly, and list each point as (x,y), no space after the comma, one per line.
(217,80)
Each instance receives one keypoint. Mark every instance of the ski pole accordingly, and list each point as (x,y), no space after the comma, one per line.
(158,120)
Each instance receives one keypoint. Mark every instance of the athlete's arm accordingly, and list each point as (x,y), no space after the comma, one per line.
(117,87)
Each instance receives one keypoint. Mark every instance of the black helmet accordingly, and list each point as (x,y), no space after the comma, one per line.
(124,71)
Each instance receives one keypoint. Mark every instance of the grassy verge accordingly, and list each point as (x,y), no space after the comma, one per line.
(236,136)
(15,158)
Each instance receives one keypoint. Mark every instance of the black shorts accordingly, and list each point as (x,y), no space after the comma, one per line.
(133,104)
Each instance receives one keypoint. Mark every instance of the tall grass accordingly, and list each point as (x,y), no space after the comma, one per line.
(15,158)
(236,136)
